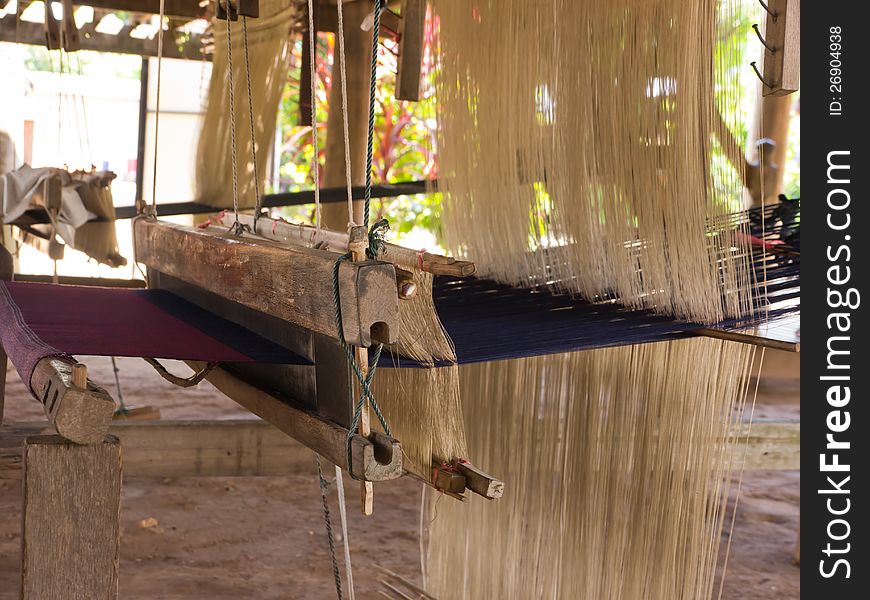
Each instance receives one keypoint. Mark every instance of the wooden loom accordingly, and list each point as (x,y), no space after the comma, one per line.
(283,291)
(304,405)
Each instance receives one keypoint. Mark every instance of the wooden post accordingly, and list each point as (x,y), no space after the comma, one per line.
(70,537)
(782,56)
(411,46)
(357,49)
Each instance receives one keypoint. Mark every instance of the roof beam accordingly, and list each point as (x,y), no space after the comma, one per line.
(90,39)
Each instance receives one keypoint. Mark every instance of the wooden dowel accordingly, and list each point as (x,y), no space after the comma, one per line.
(479,482)
(80,376)
(405,582)
(282,231)
(357,246)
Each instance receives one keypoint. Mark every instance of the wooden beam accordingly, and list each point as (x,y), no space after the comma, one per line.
(158,449)
(782,57)
(82,281)
(80,413)
(377,458)
(255,448)
(282,231)
(47,243)
(172,8)
(90,39)
(779,334)
(411,46)
(290,283)
(327,20)
(769,445)
(70,538)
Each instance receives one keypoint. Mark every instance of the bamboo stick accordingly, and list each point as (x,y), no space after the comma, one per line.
(282,231)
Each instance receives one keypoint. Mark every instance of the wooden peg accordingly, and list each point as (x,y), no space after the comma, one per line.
(80,376)
(405,285)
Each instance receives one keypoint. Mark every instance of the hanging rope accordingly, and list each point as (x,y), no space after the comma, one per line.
(344,114)
(237,226)
(122,409)
(258,199)
(312,44)
(323,496)
(157,107)
(376,31)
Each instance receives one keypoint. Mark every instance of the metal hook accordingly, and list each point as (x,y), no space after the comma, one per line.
(767,10)
(762,40)
(758,73)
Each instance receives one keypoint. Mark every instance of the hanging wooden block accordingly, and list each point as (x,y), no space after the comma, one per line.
(411,45)
(782,53)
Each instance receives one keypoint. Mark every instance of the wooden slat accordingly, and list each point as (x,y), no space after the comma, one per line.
(171,8)
(411,44)
(378,458)
(290,283)
(779,334)
(90,39)
(82,281)
(71,532)
(782,68)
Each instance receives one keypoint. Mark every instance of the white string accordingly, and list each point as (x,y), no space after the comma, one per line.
(312,45)
(157,107)
(344,117)
(342,511)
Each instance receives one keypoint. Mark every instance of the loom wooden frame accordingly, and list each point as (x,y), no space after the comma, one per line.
(255,448)
(291,283)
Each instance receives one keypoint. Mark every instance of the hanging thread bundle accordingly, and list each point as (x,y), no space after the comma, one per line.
(268,39)
(582,135)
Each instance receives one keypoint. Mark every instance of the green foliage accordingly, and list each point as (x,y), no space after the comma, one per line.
(404,140)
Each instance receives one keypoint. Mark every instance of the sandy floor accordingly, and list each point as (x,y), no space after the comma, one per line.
(263,538)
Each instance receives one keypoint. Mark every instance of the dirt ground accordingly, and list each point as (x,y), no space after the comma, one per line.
(263,538)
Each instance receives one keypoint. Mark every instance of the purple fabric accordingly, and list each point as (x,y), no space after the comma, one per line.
(39,320)
(23,347)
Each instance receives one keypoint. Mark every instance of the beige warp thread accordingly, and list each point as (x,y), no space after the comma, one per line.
(616,465)
(577,145)
(269,46)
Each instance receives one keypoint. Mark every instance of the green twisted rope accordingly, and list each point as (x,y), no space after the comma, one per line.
(376,32)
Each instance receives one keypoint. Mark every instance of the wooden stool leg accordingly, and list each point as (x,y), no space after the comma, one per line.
(70,541)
